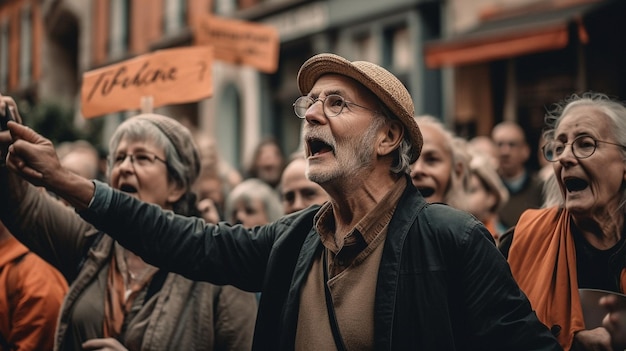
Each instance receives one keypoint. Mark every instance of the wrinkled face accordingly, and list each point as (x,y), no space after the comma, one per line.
(146,181)
(340,146)
(82,163)
(479,199)
(512,149)
(484,145)
(297,192)
(269,164)
(208,152)
(210,187)
(432,172)
(249,213)
(594,185)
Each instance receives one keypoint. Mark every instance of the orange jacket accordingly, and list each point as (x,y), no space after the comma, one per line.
(31,293)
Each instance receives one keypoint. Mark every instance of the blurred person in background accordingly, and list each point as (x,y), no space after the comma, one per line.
(268,162)
(580,241)
(116,300)
(483,144)
(211,197)
(524,187)
(485,192)
(81,157)
(217,178)
(296,190)
(252,203)
(212,162)
(441,173)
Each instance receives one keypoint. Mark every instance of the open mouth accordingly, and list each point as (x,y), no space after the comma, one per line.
(575,184)
(426,191)
(128,189)
(318,147)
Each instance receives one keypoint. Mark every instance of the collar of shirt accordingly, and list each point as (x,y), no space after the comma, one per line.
(367,228)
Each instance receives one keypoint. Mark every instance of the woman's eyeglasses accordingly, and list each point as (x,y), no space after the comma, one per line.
(582,147)
(141,159)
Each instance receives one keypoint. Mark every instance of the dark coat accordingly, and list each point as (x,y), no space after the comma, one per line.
(442,284)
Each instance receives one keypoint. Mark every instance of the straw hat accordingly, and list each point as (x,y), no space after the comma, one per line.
(378,80)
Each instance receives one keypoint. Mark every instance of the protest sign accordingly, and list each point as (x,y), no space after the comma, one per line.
(170,76)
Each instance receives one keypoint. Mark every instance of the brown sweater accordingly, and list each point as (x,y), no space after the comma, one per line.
(353,271)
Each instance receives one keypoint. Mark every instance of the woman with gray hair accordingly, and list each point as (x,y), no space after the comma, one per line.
(252,203)
(441,173)
(116,300)
(486,193)
(580,239)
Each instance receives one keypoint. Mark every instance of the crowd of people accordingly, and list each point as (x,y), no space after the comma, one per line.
(385,230)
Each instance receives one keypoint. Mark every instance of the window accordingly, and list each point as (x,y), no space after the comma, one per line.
(4,54)
(26,42)
(397,49)
(230,134)
(365,48)
(397,40)
(175,15)
(119,25)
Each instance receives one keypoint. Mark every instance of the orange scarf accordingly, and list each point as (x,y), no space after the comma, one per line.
(543,261)
(116,306)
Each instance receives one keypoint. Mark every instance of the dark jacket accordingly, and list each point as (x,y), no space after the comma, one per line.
(442,284)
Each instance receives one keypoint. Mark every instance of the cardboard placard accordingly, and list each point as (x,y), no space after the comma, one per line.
(240,42)
(169,76)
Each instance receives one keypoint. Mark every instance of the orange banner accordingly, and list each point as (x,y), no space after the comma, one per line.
(170,76)
(240,42)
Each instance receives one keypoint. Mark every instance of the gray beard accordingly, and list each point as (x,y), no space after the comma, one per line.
(348,166)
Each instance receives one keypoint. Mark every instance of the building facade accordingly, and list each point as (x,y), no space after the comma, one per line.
(512,60)
(470,63)
(70,37)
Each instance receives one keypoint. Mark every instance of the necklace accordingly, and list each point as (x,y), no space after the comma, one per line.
(135,266)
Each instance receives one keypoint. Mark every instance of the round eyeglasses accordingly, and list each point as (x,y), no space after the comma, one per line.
(141,159)
(582,147)
(333,105)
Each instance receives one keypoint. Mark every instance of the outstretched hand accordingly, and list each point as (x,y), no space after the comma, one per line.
(7,104)
(615,320)
(32,156)
(597,339)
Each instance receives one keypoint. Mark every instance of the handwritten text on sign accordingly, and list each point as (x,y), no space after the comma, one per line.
(170,76)
(240,42)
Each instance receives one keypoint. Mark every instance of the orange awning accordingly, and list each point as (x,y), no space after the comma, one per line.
(513,37)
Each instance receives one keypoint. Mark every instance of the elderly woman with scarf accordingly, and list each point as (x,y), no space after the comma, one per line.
(116,300)
(579,242)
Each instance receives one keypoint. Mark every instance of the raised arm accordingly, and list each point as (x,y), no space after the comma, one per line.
(216,253)
(50,229)
(34,158)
